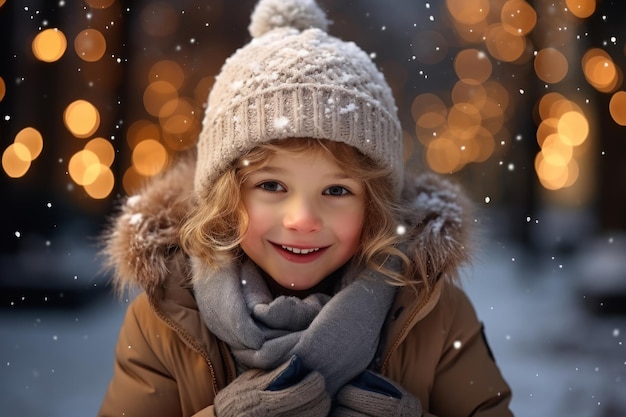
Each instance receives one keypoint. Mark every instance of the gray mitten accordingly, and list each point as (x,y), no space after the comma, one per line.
(289,390)
(373,395)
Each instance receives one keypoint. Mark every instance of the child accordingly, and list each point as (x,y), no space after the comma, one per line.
(291,268)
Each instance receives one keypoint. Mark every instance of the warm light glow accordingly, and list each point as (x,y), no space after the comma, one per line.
(32,140)
(2,2)
(555,151)
(132,181)
(90,45)
(475,33)
(546,128)
(468,91)
(443,155)
(84,167)
(473,65)
(554,177)
(149,157)
(464,120)
(180,125)
(573,128)
(600,70)
(492,116)
(551,65)
(3,88)
(168,71)
(430,115)
(518,17)
(560,134)
(81,118)
(617,108)
(100,4)
(142,130)
(16,160)
(555,105)
(581,8)
(103,149)
(157,94)
(485,144)
(497,93)
(49,45)
(468,12)
(103,184)
(503,45)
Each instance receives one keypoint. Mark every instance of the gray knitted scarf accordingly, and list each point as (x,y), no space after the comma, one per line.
(337,335)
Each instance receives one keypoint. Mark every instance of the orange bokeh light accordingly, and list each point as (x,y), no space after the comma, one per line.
(49,45)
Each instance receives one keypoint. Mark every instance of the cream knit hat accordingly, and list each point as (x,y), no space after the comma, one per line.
(295,80)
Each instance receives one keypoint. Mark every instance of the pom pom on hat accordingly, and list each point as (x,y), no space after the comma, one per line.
(297,14)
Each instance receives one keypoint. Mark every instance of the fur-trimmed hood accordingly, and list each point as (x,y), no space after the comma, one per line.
(141,245)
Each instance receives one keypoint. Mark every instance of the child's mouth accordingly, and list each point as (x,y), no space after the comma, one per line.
(300,255)
(298,251)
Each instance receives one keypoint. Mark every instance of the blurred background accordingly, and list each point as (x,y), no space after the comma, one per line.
(523,102)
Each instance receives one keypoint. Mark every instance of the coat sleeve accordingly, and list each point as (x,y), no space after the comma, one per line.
(141,384)
(468,381)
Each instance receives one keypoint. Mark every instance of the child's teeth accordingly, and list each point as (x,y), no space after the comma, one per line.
(300,251)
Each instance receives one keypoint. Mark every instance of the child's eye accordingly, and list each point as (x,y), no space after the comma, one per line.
(272,186)
(337,190)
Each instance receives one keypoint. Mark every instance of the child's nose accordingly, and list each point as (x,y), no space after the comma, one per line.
(303,216)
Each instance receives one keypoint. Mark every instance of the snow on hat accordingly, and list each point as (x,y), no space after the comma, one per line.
(295,80)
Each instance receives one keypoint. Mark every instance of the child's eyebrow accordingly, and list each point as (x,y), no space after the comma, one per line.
(277,170)
(269,169)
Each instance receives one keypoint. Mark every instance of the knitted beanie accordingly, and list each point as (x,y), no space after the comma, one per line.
(295,80)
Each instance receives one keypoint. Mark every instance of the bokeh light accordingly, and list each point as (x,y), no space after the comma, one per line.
(16,160)
(32,140)
(168,71)
(551,65)
(3,88)
(103,184)
(156,95)
(84,167)
(617,107)
(503,45)
(473,64)
(49,45)
(103,149)
(600,70)
(518,17)
(81,118)
(99,4)
(581,8)
(468,12)
(18,156)
(90,45)
(562,131)
(149,157)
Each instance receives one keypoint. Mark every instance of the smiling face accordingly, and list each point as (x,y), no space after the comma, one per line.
(305,217)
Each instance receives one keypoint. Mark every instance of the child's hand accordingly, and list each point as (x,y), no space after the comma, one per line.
(372,395)
(289,390)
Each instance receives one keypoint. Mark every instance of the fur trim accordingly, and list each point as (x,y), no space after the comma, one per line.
(141,245)
(142,238)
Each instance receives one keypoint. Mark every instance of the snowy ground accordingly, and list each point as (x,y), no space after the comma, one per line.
(559,359)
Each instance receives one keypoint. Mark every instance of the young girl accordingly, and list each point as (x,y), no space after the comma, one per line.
(290,268)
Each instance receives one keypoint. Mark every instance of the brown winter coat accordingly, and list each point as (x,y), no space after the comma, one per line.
(168,364)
